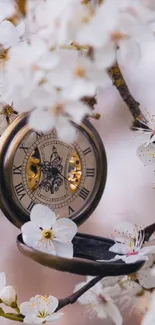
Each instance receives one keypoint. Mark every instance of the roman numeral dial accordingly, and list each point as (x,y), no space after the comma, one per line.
(49,171)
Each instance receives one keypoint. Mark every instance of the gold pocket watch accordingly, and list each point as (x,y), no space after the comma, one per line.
(40,168)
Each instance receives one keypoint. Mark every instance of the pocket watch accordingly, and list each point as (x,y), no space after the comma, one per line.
(39,168)
(69,178)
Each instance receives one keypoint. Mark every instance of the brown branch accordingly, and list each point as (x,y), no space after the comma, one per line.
(22,6)
(124,92)
(74,297)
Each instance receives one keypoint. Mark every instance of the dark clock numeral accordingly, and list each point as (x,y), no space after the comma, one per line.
(22,147)
(70,210)
(20,191)
(17,170)
(39,134)
(90,172)
(84,193)
(86,151)
(31,205)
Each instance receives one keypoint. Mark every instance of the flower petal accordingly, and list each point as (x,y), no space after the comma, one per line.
(41,120)
(65,130)
(133,258)
(114,313)
(106,56)
(31,234)
(80,88)
(146,154)
(21,28)
(119,248)
(100,310)
(110,281)
(89,297)
(28,308)
(63,249)
(147,250)
(52,303)
(31,319)
(77,110)
(149,318)
(54,317)
(131,286)
(43,216)
(49,61)
(2,280)
(65,230)
(146,278)
(8,34)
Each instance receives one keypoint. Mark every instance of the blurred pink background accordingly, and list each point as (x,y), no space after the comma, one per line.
(129,195)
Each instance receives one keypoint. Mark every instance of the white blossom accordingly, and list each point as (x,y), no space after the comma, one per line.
(8,296)
(47,234)
(40,309)
(129,244)
(99,301)
(53,110)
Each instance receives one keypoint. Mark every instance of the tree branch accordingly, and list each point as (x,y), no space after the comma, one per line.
(124,92)
(22,6)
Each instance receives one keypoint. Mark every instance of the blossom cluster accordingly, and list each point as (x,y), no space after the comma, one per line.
(46,233)
(60,53)
(36,311)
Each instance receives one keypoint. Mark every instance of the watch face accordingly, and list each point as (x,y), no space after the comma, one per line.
(40,168)
(49,171)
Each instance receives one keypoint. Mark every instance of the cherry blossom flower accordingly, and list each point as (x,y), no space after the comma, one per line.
(40,309)
(120,26)
(143,279)
(129,245)
(54,111)
(99,301)
(79,77)
(47,234)
(149,318)
(52,18)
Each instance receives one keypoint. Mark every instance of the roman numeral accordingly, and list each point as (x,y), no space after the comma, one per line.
(86,151)
(31,205)
(22,147)
(70,210)
(90,172)
(20,191)
(39,134)
(84,194)
(17,170)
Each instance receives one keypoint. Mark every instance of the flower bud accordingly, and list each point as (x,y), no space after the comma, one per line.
(8,296)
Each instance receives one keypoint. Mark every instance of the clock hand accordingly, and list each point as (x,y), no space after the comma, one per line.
(49,168)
